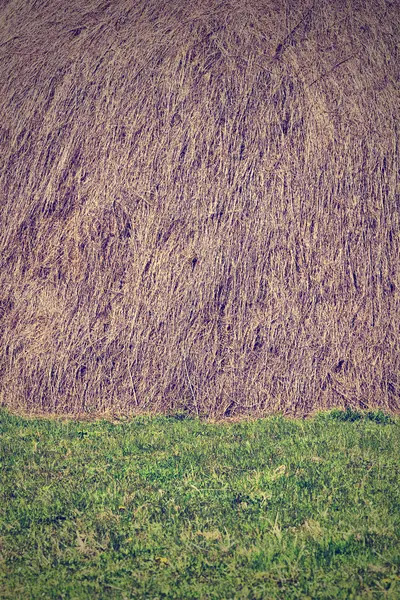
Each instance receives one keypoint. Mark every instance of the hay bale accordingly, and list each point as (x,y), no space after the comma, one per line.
(200,206)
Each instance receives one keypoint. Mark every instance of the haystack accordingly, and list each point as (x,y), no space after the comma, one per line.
(199,206)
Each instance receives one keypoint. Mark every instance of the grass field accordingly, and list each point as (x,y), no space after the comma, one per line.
(173,507)
(199,228)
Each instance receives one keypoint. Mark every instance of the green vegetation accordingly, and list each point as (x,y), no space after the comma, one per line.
(173,507)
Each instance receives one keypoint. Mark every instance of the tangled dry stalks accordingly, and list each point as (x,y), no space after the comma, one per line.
(199,206)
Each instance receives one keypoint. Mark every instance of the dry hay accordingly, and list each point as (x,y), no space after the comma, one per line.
(199,206)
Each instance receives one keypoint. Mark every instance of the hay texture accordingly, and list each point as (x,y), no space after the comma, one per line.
(199,206)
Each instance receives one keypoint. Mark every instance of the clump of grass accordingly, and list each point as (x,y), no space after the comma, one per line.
(157,507)
(180,415)
(377,416)
(199,206)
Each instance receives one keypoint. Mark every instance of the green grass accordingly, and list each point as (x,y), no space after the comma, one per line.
(169,507)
